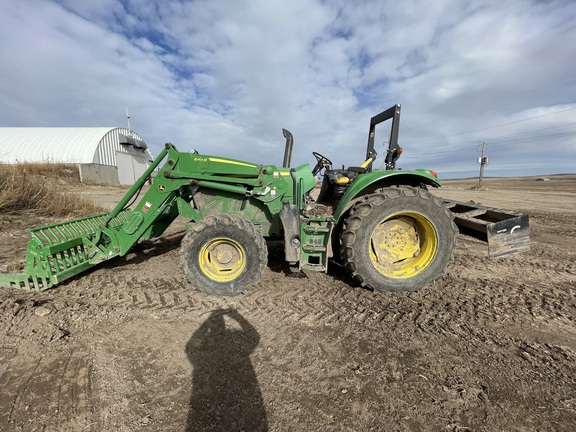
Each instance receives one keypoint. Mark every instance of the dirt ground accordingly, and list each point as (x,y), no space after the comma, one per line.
(491,346)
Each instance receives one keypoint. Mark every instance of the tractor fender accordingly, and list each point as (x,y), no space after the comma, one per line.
(367,183)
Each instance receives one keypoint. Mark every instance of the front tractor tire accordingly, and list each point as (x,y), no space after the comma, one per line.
(398,239)
(223,255)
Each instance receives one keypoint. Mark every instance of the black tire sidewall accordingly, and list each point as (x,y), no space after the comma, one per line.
(229,227)
(374,210)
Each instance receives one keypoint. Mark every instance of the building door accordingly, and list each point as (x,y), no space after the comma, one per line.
(130,167)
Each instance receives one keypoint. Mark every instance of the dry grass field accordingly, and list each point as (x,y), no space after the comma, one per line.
(491,346)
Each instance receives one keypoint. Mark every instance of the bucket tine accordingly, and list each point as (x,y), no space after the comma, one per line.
(57,252)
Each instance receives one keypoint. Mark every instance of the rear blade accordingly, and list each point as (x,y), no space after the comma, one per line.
(506,232)
(508,237)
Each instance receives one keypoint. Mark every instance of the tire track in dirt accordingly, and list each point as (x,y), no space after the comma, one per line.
(470,315)
(469,311)
(453,300)
(328,300)
(24,383)
(152,280)
(15,383)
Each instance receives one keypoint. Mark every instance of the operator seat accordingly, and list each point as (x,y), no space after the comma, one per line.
(337,181)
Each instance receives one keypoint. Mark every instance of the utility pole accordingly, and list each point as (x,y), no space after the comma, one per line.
(482,160)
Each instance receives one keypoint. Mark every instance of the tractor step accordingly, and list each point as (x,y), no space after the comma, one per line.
(315,238)
(506,232)
(57,252)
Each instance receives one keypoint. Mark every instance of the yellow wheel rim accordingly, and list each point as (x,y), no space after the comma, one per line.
(222,259)
(403,245)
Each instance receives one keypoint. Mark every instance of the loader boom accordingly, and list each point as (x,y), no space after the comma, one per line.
(255,192)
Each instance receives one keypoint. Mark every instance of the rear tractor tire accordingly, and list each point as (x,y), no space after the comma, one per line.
(223,255)
(398,239)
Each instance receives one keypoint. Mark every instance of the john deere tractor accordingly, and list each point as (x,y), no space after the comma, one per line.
(384,226)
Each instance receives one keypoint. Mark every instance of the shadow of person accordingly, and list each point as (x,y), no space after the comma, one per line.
(225,393)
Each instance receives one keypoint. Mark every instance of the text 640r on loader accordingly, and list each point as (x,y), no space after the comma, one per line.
(387,229)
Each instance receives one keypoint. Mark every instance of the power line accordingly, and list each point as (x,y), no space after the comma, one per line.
(498,138)
(514,138)
(458,147)
(491,127)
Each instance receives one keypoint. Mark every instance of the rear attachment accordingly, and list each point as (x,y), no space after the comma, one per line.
(60,251)
(506,232)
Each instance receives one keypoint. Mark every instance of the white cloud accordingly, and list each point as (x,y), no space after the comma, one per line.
(224,77)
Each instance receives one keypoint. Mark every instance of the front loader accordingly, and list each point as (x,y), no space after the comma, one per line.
(384,226)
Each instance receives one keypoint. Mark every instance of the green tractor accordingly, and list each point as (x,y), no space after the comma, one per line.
(385,227)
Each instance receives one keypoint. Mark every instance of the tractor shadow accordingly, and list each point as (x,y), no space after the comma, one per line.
(278,264)
(140,253)
(155,247)
(146,249)
(225,393)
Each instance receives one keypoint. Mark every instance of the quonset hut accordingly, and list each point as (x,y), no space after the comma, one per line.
(113,155)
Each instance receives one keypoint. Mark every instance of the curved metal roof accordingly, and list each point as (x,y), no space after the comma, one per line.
(54,144)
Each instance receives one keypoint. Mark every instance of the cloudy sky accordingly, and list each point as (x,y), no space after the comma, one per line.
(225,76)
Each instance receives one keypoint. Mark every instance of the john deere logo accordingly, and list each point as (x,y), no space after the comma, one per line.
(161,188)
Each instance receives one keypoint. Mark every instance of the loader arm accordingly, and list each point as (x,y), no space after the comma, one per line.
(188,184)
(59,251)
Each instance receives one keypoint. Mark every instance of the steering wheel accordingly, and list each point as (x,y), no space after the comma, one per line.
(321,162)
